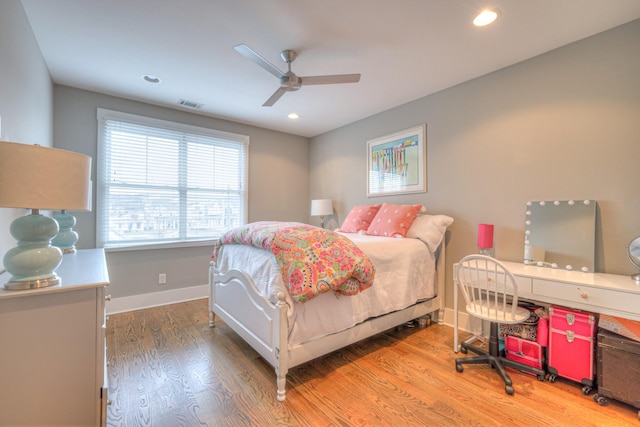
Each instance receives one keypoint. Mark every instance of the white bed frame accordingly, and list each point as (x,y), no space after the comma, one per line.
(264,325)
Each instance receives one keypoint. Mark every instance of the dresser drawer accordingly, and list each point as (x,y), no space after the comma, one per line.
(586,295)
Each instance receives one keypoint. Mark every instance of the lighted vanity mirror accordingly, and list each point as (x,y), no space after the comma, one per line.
(561,234)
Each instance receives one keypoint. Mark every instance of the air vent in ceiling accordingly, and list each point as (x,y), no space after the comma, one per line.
(189,104)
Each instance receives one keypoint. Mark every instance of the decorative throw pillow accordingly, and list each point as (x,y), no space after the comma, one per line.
(393,220)
(359,218)
(430,229)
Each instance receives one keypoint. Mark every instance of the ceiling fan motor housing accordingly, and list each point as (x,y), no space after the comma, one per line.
(290,82)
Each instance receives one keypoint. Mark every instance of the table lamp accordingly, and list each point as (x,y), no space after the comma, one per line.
(485,239)
(321,207)
(35,177)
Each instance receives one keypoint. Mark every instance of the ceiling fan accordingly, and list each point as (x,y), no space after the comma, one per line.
(289,81)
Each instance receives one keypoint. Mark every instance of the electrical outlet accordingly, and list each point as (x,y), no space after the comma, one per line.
(162,279)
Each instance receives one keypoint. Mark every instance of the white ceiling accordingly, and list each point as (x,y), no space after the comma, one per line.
(404,49)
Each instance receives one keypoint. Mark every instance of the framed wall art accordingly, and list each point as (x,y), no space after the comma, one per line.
(396,163)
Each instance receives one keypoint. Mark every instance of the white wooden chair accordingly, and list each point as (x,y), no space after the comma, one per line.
(490,293)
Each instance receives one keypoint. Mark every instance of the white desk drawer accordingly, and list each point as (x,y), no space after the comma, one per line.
(599,298)
(525,286)
(523,283)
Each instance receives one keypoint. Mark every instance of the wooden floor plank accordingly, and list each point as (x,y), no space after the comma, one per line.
(168,368)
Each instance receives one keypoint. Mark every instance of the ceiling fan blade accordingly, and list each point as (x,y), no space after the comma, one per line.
(276,95)
(248,53)
(332,79)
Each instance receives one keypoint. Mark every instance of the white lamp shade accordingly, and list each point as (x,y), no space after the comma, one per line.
(321,207)
(35,177)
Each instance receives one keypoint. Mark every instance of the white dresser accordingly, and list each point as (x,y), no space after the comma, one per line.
(52,347)
(595,292)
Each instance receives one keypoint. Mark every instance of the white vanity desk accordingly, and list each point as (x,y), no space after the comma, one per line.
(595,292)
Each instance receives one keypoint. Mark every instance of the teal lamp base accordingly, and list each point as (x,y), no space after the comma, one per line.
(66,238)
(33,262)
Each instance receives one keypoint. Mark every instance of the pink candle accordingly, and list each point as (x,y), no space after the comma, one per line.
(485,236)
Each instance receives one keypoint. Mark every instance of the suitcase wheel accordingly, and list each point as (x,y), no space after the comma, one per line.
(602,401)
(586,390)
(552,378)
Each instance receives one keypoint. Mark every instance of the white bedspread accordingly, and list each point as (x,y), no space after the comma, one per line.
(405,274)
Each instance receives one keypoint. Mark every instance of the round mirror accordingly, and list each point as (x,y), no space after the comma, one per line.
(633,251)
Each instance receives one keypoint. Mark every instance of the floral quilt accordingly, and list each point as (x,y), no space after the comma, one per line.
(313,260)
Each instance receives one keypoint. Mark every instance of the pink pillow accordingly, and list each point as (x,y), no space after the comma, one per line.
(359,218)
(393,220)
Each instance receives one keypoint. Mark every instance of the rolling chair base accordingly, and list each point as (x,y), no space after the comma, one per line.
(496,362)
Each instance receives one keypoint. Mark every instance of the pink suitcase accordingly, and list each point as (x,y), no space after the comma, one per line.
(523,351)
(572,346)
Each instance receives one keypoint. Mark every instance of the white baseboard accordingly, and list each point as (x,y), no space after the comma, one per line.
(155,299)
(466,323)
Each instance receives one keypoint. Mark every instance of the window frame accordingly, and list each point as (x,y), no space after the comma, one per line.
(102,116)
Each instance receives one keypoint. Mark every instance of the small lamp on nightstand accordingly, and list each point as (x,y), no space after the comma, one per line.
(35,177)
(321,207)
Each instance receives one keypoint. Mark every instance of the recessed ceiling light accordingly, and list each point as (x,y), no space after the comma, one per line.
(485,17)
(293,116)
(151,79)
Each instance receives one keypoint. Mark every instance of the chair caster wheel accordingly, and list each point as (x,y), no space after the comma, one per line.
(459,367)
(540,377)
(552,378)
(586,390)
(463,349)
(509,390)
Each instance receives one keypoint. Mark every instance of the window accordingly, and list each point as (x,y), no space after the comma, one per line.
(163,182)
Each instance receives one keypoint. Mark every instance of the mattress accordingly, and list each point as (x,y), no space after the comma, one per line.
(405,274)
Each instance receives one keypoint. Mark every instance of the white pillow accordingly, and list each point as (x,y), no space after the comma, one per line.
(430,229)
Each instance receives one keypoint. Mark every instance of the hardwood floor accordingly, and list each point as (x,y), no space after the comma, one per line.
(168,368)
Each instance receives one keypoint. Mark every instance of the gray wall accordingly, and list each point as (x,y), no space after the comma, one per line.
(564,125)
(278,186)
(26,94)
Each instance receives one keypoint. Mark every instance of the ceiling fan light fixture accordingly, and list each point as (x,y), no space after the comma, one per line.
(485,17)
(150,78)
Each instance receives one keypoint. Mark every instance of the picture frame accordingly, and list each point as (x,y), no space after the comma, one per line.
(396,163)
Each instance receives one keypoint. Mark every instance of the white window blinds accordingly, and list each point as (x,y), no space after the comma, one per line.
(163,182)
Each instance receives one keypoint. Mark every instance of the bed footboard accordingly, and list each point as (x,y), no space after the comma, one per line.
(263,325)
